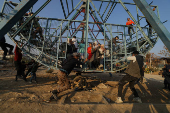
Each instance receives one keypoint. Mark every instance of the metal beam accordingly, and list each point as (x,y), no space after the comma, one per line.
(29,19)
(157,25)
(87,24)
(13,17)
(63,8)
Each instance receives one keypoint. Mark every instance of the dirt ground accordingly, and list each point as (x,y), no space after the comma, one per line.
(24,97)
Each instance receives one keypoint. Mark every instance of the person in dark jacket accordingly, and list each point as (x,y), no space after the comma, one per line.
(33,71)
(4,46)
(30,66)
(166,74)
(114,42)
(67,66)
(70,48)
(133,72)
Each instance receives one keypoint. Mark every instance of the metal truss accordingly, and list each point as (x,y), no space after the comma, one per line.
(47,47)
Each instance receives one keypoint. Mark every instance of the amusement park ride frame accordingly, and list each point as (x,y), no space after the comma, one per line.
(16,13)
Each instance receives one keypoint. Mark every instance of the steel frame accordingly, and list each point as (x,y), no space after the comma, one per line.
(104,28)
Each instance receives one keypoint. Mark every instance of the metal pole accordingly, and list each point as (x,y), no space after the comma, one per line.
(137,39)
(63,8)
(3,6)
(104,52)
(138,15)
(58,44)
(158,12)
(87,19)
(111,49)
(125,43)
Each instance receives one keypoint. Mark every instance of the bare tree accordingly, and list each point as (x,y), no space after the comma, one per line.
(165,52)
(152,59)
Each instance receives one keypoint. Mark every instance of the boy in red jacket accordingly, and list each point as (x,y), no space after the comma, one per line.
(18,64)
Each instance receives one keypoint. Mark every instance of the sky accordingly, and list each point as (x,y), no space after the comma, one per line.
(118,16)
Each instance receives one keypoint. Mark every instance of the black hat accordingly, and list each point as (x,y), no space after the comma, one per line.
(117,37)
(135,52)
(74,36)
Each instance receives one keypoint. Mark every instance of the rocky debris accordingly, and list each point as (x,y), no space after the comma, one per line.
(73,100)
(112,83)
(79,82)
(49,70)
(46,96)
(102,86)
(2,62)
(33,97)
(12,99)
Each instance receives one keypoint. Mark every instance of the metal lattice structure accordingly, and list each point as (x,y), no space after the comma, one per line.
(44,39)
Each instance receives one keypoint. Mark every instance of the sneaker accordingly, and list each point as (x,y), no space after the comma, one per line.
(137,99)
(30,82)
(119,100)
(100,66)
(54,94)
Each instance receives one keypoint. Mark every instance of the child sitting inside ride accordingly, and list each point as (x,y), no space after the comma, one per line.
(82,49)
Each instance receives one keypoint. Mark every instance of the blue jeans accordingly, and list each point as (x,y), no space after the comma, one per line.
(33,76)
(101,60)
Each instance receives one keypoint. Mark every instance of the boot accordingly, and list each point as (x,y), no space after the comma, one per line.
(4,58)
(10,52)
(101,65)
(137,99)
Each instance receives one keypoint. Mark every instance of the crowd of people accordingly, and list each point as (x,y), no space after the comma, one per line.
(95,52)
